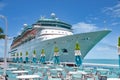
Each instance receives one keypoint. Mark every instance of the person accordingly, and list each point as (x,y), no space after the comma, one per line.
(4,77)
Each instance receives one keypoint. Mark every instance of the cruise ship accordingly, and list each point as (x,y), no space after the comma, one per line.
(47,33)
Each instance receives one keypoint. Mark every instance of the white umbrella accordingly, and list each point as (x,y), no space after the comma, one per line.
(34,56)
(21,59)
(56,55)
(78,58)
(17,57)
(26,59)
(42,58)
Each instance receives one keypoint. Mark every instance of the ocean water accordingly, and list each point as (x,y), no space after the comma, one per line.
(102,61)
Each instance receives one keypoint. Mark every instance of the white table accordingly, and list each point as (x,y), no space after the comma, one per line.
(113,78)
(78,72)
(54,79)
(83,73)
(19,72)
(88,68)
(100,69)
(34,66)
(30,77)
(71,72)
(44,67)
(11,69)
(58,69)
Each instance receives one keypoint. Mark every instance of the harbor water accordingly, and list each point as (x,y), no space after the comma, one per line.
(102,61)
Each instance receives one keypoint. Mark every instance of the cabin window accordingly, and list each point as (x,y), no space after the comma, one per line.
(64,50)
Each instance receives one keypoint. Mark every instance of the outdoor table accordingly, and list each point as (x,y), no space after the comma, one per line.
(58,69)
(88,68)
(113,78)
(78,72)
(44,67)
(34,66)
(83,73)
(54,79)
(30,77)
(100,69)
(19,72)
(103,71)
(72,72)
(75,68)
(11,69)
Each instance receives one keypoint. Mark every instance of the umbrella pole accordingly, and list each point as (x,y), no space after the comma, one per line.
(119,61)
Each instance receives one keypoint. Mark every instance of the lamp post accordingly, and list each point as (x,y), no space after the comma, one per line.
(5,51)
(119,50)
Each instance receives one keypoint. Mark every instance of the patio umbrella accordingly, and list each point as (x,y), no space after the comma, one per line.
(26,58)
(56,55)
(34,57)
(17,57)
(78,58)
(42,58)
(21,59)
(13,58)
(119,50)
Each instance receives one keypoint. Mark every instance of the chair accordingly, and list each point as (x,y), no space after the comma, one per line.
(54,79)
(45,78)
(53,73)
(39,73)
(77,76)
(26,59)
(12,76)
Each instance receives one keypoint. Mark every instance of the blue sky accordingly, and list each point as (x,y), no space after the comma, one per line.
(84,15)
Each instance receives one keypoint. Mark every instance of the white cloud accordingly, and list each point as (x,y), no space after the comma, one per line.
(2,5)
(103,49)
(114,11)
(115,23)
(84,27)
(106,47)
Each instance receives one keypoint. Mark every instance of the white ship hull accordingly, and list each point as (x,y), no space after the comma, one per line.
(65,44)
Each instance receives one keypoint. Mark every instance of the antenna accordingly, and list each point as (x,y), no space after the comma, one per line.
(42,17)
(105,25)
(53,15)
(25,25)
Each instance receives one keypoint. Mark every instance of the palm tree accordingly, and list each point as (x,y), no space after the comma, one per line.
(2,36)
(118,41)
